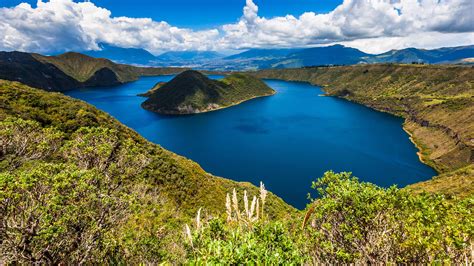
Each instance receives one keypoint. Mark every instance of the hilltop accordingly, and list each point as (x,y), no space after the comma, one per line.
(70,71)
(192,92)
(437,103)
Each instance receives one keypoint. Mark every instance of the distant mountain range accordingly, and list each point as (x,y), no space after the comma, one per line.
(122,55)
(284,58)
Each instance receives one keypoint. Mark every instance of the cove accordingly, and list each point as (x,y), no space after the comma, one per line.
(286,140)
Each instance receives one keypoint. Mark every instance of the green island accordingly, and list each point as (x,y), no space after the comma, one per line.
(78,187)
(192,92)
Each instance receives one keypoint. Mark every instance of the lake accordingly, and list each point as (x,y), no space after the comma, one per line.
(287,140)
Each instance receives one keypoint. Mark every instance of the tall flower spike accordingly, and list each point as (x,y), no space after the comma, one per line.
(246,204)
(258,209)
(252,207)
(188,234)
(235,203)
(263,195)
(228,207)
(198,219)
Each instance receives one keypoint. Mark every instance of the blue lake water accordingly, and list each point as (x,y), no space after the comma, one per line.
(286,140)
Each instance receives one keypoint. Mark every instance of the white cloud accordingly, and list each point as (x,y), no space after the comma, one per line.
(60,25)
(371,25)
(354,20)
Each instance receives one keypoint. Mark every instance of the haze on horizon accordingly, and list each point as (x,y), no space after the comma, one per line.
(373,26)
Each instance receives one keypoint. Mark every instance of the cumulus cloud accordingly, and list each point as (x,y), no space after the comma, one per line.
(61,25)
(371,25)
(353,20)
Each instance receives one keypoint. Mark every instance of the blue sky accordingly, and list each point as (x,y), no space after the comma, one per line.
(373,26)
(199,14)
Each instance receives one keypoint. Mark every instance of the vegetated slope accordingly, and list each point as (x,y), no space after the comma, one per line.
(78,187)
(458,183)
(70,71)
(102,190)
(436,101)
(192,92)
(82,67)
(25,68)
(152,90)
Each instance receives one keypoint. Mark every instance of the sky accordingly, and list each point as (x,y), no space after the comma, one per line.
(373,26)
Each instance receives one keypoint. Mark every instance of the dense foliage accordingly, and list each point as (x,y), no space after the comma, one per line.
(350,222)
(78,187)
(360,222)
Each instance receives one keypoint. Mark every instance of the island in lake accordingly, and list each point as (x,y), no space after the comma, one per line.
(192,92)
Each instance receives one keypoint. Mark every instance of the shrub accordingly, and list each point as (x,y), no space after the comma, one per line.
(357,222)
(245,237)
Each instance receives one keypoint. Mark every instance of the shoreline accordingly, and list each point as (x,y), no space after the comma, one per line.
(175,113)
(419,152)
(419,148)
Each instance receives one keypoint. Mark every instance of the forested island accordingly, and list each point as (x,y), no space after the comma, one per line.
(192,92)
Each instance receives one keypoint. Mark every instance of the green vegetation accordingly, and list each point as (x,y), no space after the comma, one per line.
(436,101)
(70,71)
(192,92)
(82,67)
(350,222)
(458,183)
(152,90)
(77,186)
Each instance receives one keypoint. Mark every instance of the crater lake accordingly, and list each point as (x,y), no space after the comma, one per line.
(286,140)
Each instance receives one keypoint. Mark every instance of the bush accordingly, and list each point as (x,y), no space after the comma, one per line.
(357,222)
(245,237)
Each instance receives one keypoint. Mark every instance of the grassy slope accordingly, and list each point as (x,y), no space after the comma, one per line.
(193,92)
(182,180)
(437,102)
(82,67)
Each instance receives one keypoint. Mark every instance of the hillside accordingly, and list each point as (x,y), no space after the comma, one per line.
(76,186)
(70,71)
(23,67)
(436,101)
(83,68)
(68,145)
(192,92)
